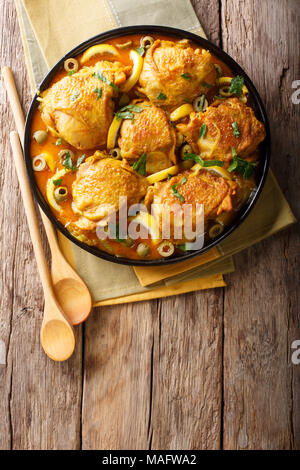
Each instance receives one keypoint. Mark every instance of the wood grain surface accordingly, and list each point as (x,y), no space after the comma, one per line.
(205,370)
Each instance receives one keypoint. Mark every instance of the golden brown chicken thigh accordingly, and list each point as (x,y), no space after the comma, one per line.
(149,132)
(190,187)
(99,184)
(172,74)
(219,137)
(79,108)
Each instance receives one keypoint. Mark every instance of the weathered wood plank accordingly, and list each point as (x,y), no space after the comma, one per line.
(187,375)
(261,386)
(208,14)
(40,400)
(117,382)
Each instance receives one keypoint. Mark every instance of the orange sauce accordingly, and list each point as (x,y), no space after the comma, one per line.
(52,146)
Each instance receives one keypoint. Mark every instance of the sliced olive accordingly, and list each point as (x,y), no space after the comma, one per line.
(115,153)
(186,148)
(215,230)
(71,65)
(61,193)
(147,42)
(166,248)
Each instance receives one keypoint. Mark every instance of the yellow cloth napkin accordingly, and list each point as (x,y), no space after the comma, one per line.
(58,26)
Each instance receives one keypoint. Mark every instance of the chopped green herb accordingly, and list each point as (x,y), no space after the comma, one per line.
(57,182)
(169,176)
(206,84)
(140,51)
(101,77)
(68,163)
(203,130)
(173,124)
(236,85)
(184,180)
(204,163)
(161,96)
(219,97)
(186,76)
(245,168)
(186,100)
(114,230)
(127,112)
(236,130)
(80,160)
(182,247)
(233,152)
(176,193)
(75,95)
(140,165)
(71,72)
(58,142)
(201,103)
(99,93)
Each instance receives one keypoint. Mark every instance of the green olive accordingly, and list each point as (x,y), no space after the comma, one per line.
(61,193)
(147,41)
(143,250)
(115,153)
(40,136)
(124,100)
(215,230)
(185,149)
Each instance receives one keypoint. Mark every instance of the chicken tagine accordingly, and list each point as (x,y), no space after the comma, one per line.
(134,131)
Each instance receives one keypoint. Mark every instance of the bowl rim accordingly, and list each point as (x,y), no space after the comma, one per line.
(180,34)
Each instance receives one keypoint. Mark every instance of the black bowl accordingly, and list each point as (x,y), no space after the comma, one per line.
(256,103)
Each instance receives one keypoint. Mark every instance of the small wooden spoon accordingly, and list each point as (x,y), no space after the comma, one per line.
(71,292)
(57,335)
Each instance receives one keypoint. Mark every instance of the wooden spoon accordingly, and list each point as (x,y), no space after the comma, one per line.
(71,292)
(57,335)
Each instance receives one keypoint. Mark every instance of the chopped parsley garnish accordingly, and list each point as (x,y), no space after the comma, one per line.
(75,95)
(140,165)
(206,84)
(161,96)
(176,193)
(245,168)
(184,180)
(140,51)
(236,130)
(114,231)
(219,97)
(201,103)
(57,182)
(68,162)
(236,85)
(58,142)
(101,77)
(173,124)
(169,176)
(71,72)
(127,112)
(205,163)
(182,247)
(186,76)
(99,93)
(203,130)
(186,100)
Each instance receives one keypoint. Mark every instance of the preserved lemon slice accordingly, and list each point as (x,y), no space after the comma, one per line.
(113,132)
(137,68)
(214,169)
(223,81)
(181,112)
(163,174)
(50,190)
(150,223)
(49,159)
(99,49)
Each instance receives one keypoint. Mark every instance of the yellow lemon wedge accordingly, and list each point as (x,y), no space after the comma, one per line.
(218,170)
(99,49)
(150,223)
(50,189)
(137,68)
(49,159)
(181,112)
(113,132)
(163,174)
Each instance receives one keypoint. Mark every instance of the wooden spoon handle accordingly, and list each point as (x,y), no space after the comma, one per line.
(13,98)
(30,212)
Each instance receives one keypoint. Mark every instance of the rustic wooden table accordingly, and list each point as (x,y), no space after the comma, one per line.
(206,370)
